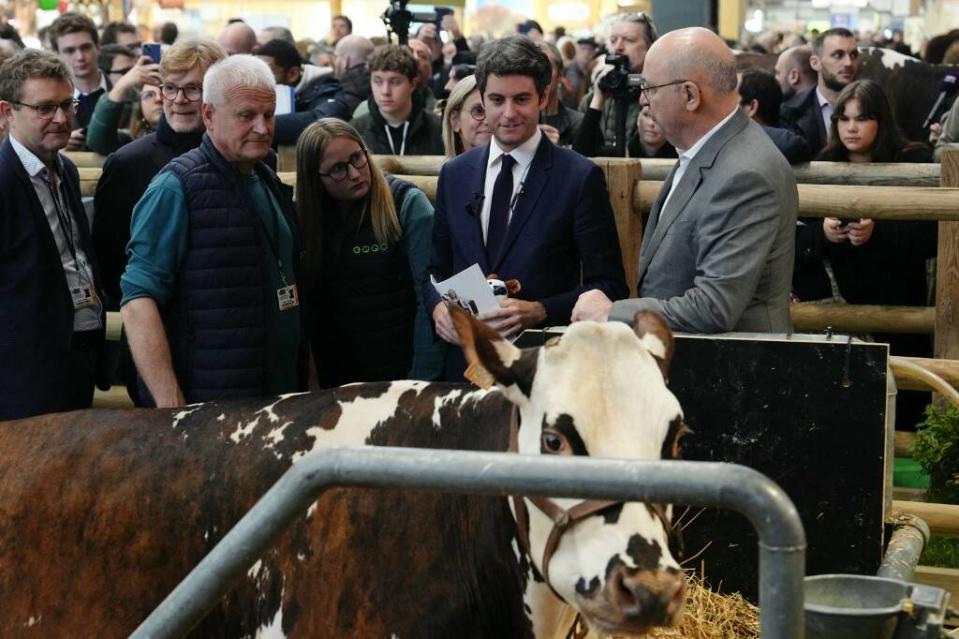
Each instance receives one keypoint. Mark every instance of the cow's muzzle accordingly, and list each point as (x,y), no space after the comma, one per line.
(633,600)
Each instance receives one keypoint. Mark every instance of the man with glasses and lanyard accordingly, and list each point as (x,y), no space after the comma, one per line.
(210,300)
(51,315)
(717,252)
(127,172)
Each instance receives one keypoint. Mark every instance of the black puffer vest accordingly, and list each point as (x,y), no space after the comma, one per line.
(369,303)
(217,323)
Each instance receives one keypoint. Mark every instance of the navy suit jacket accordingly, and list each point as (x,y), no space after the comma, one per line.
(36,312)
(802,114)
(561,239)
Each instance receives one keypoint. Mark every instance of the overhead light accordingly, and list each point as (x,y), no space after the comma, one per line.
(755,24)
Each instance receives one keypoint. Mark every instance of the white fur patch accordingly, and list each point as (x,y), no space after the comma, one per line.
(181,415)
(273,629)
(359,418)
(654,345)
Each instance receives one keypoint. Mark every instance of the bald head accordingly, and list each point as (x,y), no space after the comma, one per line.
(352,50)
(238,37)
(697,55)
(692,78)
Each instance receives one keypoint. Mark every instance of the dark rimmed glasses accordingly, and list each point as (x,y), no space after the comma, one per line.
(47,111)
(191,92)
(477,112)
(645,88)
(340,170)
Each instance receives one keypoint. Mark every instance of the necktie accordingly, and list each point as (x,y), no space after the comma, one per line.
(499,208)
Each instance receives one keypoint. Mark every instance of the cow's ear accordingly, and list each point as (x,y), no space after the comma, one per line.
(656,336)
(489,352)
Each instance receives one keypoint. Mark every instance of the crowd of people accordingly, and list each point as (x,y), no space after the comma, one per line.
(231,285)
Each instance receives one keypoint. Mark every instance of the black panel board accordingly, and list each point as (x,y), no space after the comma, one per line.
(808,412)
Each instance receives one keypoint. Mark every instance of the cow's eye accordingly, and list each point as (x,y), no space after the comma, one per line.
(552,442)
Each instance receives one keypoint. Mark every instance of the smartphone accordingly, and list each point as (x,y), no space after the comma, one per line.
(152,50)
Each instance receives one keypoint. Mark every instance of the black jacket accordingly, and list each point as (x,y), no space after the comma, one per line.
(125,177)
(423,137)
(567,121)
(320,98)
(36,311)
(802,114)
(354,88)
(790,144)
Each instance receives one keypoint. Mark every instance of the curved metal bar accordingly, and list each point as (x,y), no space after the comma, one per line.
(904,368)
(782,540)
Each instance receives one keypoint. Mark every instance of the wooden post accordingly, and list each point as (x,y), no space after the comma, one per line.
(622,175)
(947,271)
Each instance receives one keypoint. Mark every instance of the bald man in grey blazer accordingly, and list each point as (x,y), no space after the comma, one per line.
(717,252)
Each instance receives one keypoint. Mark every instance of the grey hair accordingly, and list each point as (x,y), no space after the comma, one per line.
(235,71)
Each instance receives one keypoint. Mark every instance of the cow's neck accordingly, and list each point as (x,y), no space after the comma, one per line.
(551,616)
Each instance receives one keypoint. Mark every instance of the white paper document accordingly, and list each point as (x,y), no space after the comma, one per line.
(469,289)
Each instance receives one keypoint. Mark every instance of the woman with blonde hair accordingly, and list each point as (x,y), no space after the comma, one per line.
(464,119)
(367,240)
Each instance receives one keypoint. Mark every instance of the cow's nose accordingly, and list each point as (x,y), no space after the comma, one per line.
(653,597)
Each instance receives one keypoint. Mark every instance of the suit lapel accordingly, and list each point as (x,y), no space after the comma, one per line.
(692,178)
(531,190)
(652,222)
(473,208)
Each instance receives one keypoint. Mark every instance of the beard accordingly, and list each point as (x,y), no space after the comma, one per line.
(833,83)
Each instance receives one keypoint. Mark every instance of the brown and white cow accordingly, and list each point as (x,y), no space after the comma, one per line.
(102,512)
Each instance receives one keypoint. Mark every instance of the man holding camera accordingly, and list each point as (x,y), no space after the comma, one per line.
(630,37)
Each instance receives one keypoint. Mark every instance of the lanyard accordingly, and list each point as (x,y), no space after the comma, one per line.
(389,138)
(66,224)
(272,241)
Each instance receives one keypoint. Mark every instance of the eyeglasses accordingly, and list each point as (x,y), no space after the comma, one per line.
(637,16)
(645,88)
(47,111)
(339,170)
(478,113)
(191,92)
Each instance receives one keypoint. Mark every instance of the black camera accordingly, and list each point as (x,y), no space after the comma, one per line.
(397,20)
(619,82)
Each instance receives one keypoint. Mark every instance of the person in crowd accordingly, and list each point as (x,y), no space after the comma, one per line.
(877,262)
(51,319)
(835,59)
(567,47)
(75,39)
(366,240)
(397,122)
(122,33)
(424,80)
(167,33)
(761,97)
(458,72)
(649,142)
(464,119)
(316,91)
(577,72)
(10,35)
(210,302)
(127,172)
(631,35)
(274,33)
(352,52)
(340,27)
(323,57)
(945,135)
(521,207)
(136,82)
(238,37)
(566,121)
(794,73)
(717,252)
(532,30)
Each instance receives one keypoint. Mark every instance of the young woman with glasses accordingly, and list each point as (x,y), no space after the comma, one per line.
(367,240)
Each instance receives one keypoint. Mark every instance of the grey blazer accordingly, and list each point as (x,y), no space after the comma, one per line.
(720,256)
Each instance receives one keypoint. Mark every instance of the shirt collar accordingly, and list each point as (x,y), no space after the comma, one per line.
(691,152)
(823,102)
(523,154)
(103,85)
(33,165)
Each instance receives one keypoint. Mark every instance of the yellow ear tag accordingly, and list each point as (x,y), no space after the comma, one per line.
(477,374)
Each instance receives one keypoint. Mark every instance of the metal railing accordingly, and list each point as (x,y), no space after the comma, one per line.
(782,541)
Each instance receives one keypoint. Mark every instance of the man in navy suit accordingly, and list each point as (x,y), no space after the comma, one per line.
(522,208)
(51,316)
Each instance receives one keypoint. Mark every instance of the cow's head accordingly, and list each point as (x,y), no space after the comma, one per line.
(600,391)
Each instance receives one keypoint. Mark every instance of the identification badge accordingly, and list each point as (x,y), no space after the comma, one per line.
(83,297)
(287,297)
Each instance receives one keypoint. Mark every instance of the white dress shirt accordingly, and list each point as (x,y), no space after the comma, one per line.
(685,157)
(523,154)
(84,319)
(825,108)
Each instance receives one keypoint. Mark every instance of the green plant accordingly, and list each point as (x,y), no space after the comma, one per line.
(937,449)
